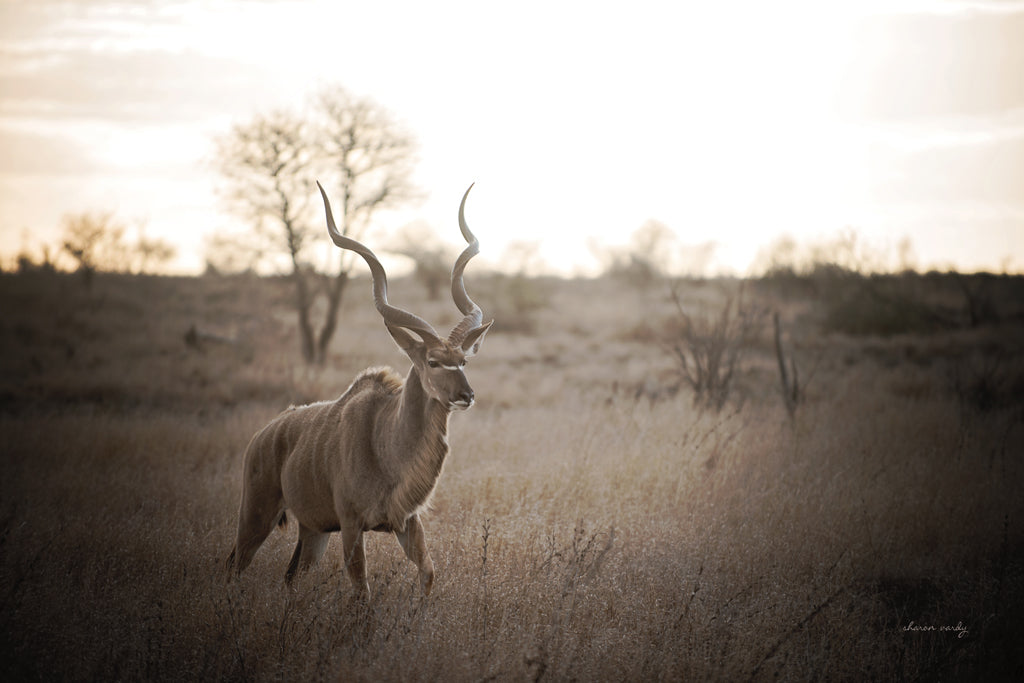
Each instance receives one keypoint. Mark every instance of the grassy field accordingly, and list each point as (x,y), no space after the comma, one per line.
(592,522)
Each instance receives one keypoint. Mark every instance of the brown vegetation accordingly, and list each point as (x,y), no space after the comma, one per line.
(581,530)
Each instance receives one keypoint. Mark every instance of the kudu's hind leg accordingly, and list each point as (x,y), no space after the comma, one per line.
(256,519)
(308,551)
(414,543)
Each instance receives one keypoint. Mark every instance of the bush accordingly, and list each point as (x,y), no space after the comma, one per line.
(709,347)
(883,305)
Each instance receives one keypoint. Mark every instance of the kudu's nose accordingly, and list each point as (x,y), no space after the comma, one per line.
(466,397)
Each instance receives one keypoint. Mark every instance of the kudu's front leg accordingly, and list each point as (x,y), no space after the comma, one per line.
(355,558)
(414,543)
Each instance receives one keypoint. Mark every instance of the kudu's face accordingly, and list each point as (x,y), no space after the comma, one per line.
(444,377)
(441,366)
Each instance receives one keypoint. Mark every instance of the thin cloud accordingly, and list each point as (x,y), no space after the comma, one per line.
(29,153)
(921,66)
(146,85)
(986,171)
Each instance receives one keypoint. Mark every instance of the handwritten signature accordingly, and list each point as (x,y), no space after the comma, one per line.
(960,630)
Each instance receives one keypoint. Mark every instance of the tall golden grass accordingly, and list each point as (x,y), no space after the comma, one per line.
(582,529)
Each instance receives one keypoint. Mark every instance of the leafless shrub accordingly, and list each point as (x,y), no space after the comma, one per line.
(94,241)
(28,263)
(431,259)
(432,270)
(710,346)
(644,262)
(986,382)
(979,298)
(788,376)
(97,242)
(793,388)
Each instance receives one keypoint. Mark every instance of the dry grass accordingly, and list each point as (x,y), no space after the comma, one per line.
(577,532)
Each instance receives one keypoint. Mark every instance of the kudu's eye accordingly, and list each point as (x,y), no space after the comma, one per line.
(433,363)
(462,362)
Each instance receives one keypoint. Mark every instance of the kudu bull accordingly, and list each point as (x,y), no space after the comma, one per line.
(370,460)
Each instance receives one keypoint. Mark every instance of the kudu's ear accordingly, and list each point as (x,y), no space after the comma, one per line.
(475,339)
(405,341)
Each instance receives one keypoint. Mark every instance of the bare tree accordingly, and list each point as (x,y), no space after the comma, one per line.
(149,252)
(271,164)
(95,241)
(369,160)
(419,242)
(268,162)
(645,261)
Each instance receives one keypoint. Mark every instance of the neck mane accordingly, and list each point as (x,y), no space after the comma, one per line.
(416,450)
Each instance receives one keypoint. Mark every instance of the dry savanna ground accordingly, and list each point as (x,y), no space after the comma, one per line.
(592,521)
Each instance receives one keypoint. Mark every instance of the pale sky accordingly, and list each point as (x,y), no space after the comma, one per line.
(727,122)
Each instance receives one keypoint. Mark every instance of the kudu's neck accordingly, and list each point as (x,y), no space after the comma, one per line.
(417,448)
(422,422)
